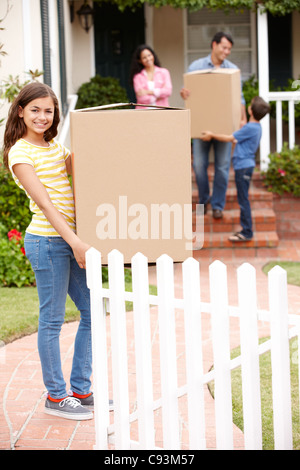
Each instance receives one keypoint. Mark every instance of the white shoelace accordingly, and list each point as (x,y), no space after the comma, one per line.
(73,402)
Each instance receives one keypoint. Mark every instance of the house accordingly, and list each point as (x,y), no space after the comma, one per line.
(47,35)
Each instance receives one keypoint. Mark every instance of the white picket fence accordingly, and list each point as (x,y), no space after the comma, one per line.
(283,327)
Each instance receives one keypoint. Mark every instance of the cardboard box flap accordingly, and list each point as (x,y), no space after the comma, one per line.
(214,70)
(120,105)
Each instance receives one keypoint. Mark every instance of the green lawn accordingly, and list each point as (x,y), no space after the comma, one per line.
(293,277)
(19,310)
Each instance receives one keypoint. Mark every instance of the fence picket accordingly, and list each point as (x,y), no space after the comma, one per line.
(194,359)
(280,359)
(168,363)
(142,335)
(119,349)
(100,376)
(250,357)
(194,389)
(221,350)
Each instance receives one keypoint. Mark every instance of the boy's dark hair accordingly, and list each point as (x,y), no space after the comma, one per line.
(219,36)
(259,108)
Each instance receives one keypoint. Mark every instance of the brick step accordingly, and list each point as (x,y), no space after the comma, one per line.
(258,197)
(220,240)
(264,220)
(257,179)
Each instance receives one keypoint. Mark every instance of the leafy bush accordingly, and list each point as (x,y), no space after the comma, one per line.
(14,204)
(100,91)
(15,269)
(283,174)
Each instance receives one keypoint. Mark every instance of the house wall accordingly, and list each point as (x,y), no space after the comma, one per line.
(22,39)
(296,42)
(81,53)
(168,43)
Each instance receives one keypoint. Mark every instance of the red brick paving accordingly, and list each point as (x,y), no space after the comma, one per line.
(24,425)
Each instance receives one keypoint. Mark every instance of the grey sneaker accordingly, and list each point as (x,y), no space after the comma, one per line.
(89,402)
(69,408)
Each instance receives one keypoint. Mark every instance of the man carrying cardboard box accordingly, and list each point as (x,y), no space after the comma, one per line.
(221,47)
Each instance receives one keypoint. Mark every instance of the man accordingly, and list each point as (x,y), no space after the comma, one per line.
(221,47)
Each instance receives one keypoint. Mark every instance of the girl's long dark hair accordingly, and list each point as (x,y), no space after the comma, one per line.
(15,127)
(136,65)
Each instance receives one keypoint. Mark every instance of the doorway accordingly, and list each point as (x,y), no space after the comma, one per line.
(117,34)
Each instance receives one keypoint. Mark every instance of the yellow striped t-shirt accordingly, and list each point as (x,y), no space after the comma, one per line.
(50,167)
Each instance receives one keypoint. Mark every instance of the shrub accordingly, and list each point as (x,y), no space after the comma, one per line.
(100,91)
(14,203)
(283,174)
(15,269)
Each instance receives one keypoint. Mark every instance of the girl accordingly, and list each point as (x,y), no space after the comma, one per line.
(40,166)
(152,83)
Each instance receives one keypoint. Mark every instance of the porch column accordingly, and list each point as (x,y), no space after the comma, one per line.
(263,81)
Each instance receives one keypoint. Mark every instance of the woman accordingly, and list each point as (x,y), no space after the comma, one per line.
(151,82)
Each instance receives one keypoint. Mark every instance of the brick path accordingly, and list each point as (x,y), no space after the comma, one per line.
(23,424)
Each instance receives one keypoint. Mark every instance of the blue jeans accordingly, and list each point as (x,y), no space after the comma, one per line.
(222,164)
(242,181)
(58,274)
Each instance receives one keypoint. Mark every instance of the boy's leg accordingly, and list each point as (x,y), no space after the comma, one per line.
(242,180)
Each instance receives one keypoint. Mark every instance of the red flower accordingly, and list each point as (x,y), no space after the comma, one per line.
(23,250)
(282,172)
(14,234)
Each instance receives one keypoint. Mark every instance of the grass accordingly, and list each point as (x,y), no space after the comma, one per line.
(19,310)
(293,277)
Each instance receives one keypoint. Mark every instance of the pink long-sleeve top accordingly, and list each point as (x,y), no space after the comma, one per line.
(162,87)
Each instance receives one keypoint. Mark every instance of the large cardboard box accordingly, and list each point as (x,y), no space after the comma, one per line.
(214,101)
(132,180)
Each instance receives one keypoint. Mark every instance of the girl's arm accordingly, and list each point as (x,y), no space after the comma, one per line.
(32,185)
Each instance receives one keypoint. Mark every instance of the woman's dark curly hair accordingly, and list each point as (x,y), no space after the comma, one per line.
(136,65)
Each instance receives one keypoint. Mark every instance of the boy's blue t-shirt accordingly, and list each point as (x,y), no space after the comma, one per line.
(248,138)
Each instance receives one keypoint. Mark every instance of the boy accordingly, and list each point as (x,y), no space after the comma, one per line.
(247,141)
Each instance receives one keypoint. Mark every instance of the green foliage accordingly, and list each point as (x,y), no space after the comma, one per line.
(15,269)
(100,91)
(14,204)
(283,174)
(275,7)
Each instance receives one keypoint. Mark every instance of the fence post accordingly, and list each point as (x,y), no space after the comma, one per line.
(119,349)
(221,350)
(143,348)
(194,359)
(98,321)
(168,360)
(250,357)
(280,359)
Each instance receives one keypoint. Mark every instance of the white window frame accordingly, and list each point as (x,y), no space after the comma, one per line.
(203,53)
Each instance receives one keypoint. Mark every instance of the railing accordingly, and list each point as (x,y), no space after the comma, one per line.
(193,309)
(65,129)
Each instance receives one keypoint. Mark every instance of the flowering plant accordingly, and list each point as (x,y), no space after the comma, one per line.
(283,173)
(15,269)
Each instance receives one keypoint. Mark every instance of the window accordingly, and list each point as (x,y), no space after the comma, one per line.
(203,24)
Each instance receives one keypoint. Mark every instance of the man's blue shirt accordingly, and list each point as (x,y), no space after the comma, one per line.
(248,138)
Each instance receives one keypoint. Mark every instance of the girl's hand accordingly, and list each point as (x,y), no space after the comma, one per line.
(79,249)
